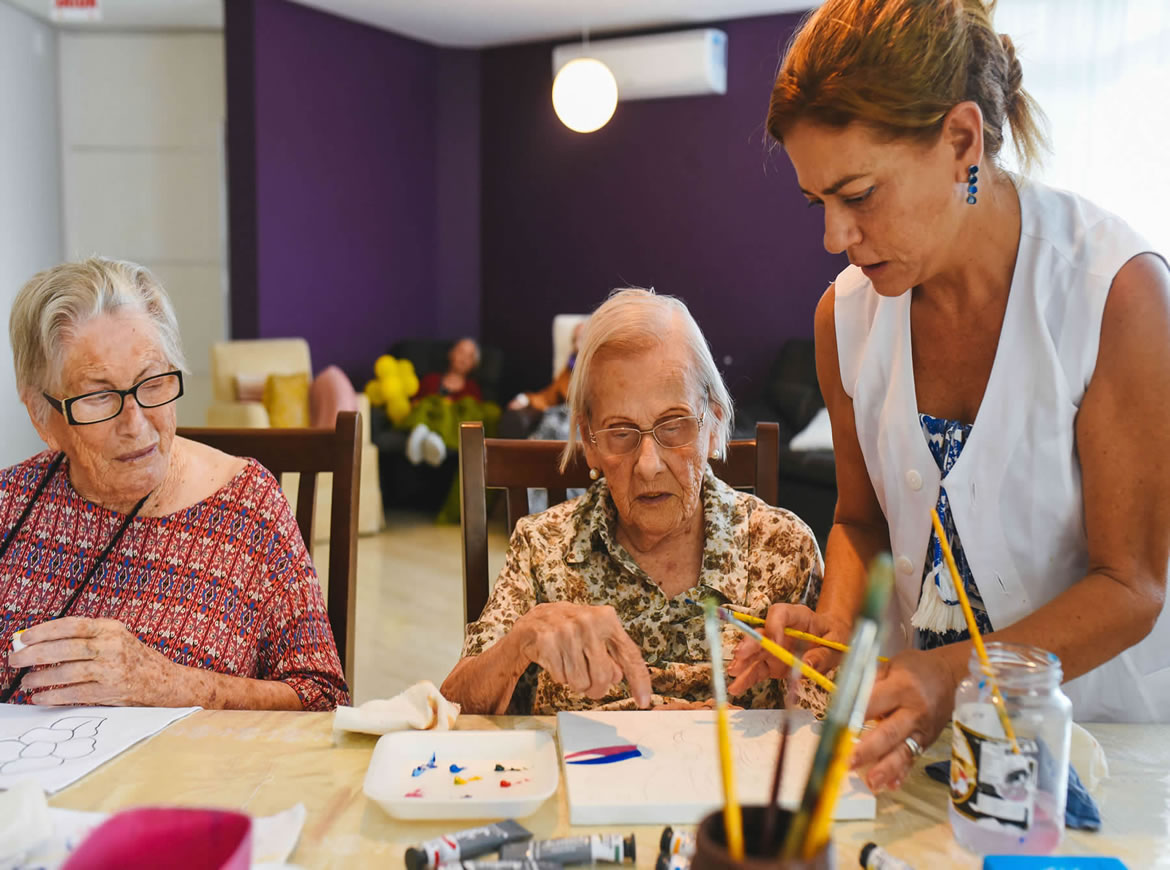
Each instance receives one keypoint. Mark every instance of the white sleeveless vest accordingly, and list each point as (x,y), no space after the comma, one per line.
(1015,490)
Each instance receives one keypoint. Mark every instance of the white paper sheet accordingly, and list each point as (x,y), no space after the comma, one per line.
(673,777)
(56,746)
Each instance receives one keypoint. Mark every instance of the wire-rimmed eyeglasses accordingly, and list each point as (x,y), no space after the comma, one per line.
(102,405)
(673,433)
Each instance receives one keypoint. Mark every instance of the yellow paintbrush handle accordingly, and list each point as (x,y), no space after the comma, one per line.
(792,662)
(732,817)
(822,817)
(973,630)
(797,633)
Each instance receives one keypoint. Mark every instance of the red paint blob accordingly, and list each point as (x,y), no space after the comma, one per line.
(417,793)
(505,784)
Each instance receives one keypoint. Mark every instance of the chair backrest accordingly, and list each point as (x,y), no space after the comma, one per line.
(311,452)
(256,356)
(514,465)
(564,325)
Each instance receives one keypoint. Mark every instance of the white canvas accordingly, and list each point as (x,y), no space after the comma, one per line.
(676,778)
(56,746)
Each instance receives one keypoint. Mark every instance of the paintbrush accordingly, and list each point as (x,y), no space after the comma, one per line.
(731,618)
(809,829)
(790,632)
(732,816)
(973,630)
(773,812)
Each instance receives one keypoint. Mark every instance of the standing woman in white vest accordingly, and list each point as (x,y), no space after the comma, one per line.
(998,349)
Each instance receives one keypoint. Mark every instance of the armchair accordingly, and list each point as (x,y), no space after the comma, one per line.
(235,363)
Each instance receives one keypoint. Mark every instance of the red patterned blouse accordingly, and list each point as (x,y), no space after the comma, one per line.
(225,585)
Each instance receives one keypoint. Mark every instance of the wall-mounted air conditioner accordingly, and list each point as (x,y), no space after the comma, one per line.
(680,64)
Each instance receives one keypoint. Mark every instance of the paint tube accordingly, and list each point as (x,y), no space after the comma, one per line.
(677,842)
(874,857)
(676,861)
(452,848)
(518,864)
(609,848)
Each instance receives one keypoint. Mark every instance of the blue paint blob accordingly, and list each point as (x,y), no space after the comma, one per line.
(455,768)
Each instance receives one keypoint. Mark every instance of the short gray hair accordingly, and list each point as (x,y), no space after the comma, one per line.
(633,320)
(55,303)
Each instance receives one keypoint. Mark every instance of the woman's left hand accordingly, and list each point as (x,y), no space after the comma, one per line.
(94,662)
(912,697)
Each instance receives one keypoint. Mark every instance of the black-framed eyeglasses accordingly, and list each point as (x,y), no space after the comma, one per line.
(672,433)
(102,405)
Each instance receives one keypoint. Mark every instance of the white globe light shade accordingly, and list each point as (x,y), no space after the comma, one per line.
(584,94)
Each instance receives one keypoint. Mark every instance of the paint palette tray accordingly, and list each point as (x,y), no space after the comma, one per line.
(453,774)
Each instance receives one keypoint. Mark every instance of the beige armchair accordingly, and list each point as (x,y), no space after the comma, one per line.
(286,356)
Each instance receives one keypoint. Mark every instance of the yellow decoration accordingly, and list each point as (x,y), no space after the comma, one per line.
(398,408)
(373,392)
(394,383)
(384,365)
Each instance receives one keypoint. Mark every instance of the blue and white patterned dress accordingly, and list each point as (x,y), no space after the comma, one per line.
(946,439)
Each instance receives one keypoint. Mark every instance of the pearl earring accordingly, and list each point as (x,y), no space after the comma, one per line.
(594,474)
(715,454)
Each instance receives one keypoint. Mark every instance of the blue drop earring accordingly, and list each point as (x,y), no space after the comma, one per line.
(972,181)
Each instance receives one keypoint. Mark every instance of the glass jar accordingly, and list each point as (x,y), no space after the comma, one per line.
(1003,801)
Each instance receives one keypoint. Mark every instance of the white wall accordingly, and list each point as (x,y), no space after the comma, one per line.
(30,192)
(142,120)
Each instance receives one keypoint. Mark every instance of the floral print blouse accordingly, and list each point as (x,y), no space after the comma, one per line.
(754,555)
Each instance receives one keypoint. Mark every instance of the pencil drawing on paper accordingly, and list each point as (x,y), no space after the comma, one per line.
(44,748)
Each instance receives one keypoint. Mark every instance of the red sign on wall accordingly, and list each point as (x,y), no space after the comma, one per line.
(76,10)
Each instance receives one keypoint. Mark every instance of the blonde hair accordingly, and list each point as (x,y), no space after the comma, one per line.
(900,66)
(633,321)
(54,303)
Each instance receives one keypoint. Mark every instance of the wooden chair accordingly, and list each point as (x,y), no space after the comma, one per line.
(514,465)
(310,452)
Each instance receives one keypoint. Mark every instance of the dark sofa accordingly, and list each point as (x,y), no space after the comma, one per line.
(792,397)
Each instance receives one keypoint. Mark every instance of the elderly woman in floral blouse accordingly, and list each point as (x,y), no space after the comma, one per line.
(591,608)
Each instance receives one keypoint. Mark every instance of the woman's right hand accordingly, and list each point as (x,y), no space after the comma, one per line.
(583,647)
(752,664)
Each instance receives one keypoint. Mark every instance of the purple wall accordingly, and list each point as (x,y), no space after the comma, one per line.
(680,194)
(345,125)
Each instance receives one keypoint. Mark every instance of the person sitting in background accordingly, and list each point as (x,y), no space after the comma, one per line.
(456,382)
(542,414)
(141,568)
(593,591)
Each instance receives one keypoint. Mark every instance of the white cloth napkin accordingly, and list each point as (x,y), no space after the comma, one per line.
(420,707)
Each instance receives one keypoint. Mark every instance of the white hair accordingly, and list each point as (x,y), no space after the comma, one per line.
(55,303)
(633,320)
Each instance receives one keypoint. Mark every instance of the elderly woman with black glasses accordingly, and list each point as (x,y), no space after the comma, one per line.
(136,567)
(591,609)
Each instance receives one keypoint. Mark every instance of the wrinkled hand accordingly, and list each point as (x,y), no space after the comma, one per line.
(751,664)
(912,697)
(585,648)
(678,704)
(94,662)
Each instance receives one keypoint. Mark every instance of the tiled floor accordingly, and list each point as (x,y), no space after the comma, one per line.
(409,602)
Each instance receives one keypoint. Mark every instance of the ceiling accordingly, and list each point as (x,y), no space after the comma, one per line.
(458,23)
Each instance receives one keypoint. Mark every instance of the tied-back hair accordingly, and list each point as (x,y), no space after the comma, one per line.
(632,321)
(55,303)
(900,66)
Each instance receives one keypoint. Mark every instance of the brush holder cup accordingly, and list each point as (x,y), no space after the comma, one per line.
(711,845)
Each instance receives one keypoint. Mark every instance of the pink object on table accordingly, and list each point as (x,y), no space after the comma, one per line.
(330,393)
(180,839)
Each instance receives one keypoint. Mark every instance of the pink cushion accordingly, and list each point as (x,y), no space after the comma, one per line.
(330,393)
(182,839)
